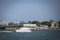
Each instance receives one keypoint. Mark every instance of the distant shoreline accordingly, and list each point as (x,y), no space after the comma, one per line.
(47,29)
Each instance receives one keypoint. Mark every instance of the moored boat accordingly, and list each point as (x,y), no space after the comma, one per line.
(23,29)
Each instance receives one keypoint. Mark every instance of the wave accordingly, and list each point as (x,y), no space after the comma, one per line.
(6,31)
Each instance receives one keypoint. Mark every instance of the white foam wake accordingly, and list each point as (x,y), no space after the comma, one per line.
(6,31)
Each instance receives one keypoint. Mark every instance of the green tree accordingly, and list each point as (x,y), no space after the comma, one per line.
(36,22)
(46,23)
(59,23)
(51,21)
(29,22)
(10,23)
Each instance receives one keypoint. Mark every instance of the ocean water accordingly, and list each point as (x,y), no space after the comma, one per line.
(35,35)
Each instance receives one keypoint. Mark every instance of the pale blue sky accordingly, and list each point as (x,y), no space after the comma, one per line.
(26,10)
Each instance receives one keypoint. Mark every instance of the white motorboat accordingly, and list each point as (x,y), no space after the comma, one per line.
(24,29)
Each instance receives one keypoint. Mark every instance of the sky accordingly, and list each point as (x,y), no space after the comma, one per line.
(29,10)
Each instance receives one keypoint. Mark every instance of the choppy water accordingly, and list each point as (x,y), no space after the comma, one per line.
(35,35)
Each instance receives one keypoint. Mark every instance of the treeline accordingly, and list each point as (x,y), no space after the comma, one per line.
(48,23)
(38,23)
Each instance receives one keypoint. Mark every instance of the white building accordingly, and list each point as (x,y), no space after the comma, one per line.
(4,23)
(29,25)
(54,25)
(43,27)
(18,23)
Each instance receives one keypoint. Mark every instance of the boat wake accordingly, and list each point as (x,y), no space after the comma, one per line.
(6,31)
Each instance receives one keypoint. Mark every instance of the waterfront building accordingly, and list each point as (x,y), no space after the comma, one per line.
(4,23)
(17,23)
(43,27)
(54,25)
(29,25)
